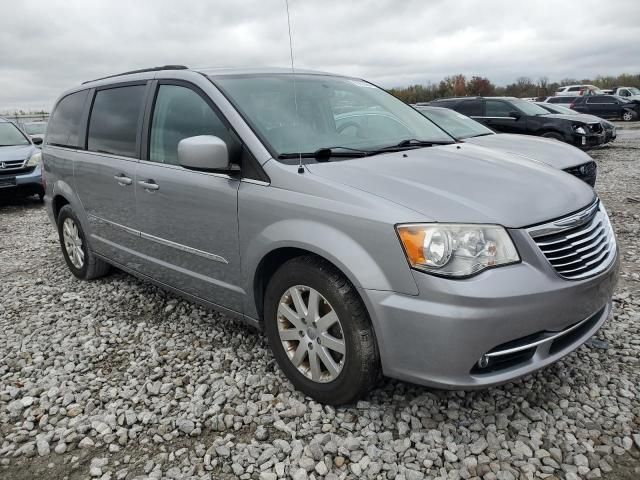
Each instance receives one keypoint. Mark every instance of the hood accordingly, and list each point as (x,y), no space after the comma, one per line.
(546,150)
(16,152)
(464,183)
(571,118)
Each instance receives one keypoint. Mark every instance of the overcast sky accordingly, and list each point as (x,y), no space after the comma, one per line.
(47,46)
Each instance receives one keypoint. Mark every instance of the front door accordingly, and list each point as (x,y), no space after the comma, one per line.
(188,219)
(497,116)
(105,172)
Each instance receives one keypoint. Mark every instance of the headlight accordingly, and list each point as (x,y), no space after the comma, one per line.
(456,250)
(579,130)
(34,159)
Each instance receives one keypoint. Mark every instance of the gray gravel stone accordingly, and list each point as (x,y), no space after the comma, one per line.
(120,369)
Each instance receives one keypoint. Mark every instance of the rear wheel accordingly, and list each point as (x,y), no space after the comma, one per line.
(80,260)
(554,135)
(319,331)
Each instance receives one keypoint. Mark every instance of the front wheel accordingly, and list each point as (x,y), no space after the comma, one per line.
(627,116)
(319,331)
(554,135)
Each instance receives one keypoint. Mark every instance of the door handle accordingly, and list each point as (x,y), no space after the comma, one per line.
(122,179)
(149,185)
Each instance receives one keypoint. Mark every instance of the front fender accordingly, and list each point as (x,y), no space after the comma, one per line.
(346,253)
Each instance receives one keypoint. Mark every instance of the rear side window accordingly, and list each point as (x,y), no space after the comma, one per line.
(181,113)
(471,108)
(64,125)
(113,125)
(574,89)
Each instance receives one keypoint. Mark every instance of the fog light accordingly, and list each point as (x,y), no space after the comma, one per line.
(483,362)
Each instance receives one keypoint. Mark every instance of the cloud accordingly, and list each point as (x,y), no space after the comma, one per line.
(50,45)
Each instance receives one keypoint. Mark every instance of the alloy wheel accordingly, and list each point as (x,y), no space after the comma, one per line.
(73,243)
(311,334)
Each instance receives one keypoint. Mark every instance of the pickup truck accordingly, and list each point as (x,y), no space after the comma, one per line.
(630,93)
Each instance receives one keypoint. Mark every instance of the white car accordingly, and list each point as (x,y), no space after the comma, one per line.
(577,90)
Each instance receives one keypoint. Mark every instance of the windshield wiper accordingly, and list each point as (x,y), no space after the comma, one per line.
(325,153)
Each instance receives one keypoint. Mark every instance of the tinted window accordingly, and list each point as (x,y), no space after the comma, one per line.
(64,124)
(601,99)
(114,120)
(574,89)
(470,107)
(180,113)
(561,99)
(496,108)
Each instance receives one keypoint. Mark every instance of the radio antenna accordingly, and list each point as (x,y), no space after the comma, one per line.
(293,73)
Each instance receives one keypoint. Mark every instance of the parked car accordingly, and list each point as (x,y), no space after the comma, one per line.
(578,90)
(563,100)
(608,106)
(514,115)
(630,93)
(20,172)
(555,154)
(357,251)
(609,128)
(35,129)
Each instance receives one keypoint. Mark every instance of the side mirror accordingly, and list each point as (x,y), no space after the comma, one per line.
(515,114)
(37,140)
(204,152)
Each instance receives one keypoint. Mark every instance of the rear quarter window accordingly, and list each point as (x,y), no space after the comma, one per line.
(64,126)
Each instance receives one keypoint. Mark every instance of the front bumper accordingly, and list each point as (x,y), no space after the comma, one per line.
(438,337)
(589,140)
(25,183)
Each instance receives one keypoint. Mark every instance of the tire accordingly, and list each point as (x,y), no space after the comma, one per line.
(359,365)
(627,116)
(553,135)
(83,264)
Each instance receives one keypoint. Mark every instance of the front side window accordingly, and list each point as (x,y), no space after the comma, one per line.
(11,135)
(64,124)
(528,108)
(496,108)
(181,113)
(325,112)
(114,120)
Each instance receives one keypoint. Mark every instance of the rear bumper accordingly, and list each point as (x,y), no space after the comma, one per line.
(438,337)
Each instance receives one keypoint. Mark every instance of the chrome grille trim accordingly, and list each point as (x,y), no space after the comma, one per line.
(578,246)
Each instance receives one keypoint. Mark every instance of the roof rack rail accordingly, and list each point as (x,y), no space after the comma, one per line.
(142,70)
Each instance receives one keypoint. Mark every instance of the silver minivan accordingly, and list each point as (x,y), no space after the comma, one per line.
(361,248)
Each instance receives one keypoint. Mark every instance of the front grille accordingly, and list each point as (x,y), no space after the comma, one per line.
(16,171)
(6,165)
(587,172)
(595,127)
(578,246)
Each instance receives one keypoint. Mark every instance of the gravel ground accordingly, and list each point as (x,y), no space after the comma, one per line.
(116,379)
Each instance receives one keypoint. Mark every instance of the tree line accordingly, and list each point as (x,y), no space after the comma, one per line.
(459,86)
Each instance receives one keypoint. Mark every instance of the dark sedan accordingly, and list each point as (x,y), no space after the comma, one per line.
(514,115)
(608,106)
(555,154)
(609,128)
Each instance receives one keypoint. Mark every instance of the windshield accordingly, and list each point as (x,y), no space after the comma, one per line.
(11,135)
(332,111)
(35,128)
(634,90)
(528,108)
(455,124)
